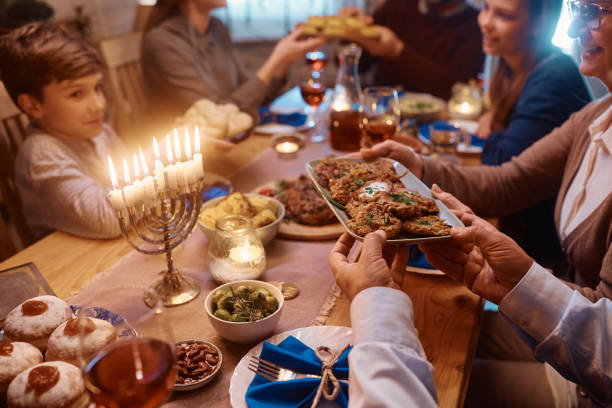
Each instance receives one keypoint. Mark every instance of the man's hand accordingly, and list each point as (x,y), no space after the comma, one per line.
(450,201)
(375,267)
(488,262)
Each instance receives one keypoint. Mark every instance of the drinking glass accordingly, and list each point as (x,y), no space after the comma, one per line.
(313,90)
(445,138)
(140,368)
(316,60)
(380,114)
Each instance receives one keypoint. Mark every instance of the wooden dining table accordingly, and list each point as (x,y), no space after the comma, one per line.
(447,315)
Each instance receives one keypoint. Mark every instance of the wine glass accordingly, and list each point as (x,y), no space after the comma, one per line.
(313,90)
(380,114)
(316,60)
(140,368)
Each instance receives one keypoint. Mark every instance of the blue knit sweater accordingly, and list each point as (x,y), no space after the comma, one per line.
(553,91)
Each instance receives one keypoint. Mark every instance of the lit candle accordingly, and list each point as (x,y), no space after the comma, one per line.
(159,167)
(170,168)
(147,182)
(192,166)
(177,146)
(197,157)
(129,193)
(465,108)
(115,196)
(138,186)
(246,253)
(287,147)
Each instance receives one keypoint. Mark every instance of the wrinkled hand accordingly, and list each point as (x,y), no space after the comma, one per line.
(485,260)
(291,48)
(450,201)
(356,12)
(395,151)
(484,125)
(375,267)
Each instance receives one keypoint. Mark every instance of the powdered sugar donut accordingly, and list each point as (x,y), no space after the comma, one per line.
(35,319)
(50,385)
(14,358)
(64,342)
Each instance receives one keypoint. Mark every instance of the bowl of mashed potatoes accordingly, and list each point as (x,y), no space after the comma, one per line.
(265,212)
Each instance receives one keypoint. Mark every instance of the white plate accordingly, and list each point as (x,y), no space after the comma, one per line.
(274,129)
(335,337)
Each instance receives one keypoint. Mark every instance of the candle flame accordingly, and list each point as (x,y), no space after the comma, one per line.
(465,107)
(156,149)
(187,144)
(169,150)
(126,172)
(177,146)
(113,175)
(196,140)
(143,162)
(136,167)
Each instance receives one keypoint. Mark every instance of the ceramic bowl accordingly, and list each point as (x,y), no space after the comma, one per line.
(245,332)
(265,233)
(207,379)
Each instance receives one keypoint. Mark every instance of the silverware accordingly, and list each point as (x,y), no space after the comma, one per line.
(273,372)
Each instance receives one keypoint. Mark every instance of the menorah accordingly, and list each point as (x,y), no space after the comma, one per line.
(157,213)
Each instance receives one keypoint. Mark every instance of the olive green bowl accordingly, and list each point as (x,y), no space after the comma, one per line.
(245,332)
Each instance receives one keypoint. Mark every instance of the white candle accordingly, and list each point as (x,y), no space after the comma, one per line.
(177,146)
(169,155)
(181,174)
(115,196)
(197,157)
(149,189)
(143,162)
(191,171)
(287,147)
(129,192)
(159,167)
(171,176)
(246,253)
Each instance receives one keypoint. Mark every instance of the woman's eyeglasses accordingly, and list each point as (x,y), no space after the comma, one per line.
(589,13)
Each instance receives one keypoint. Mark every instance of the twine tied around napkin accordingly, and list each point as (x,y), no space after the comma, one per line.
(327,374)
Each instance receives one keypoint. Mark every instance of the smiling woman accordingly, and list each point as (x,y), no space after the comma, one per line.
(60,169)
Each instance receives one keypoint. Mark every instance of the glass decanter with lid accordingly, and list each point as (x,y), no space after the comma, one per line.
(236,252)
(345,133)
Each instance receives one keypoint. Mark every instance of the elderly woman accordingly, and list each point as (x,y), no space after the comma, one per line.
(188,55)
(573,162)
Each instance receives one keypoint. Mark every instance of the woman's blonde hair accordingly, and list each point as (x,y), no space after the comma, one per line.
(506,85)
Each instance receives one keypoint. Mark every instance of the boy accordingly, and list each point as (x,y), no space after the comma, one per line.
(60,170)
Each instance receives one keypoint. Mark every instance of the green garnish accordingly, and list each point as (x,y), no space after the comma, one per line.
(369,190)
(386,219)
(359,181)
(335,203)
(420,222)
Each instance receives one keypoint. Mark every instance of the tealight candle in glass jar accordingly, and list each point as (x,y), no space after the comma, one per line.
(236,252)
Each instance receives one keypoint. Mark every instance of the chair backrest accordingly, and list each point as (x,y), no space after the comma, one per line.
(13,126)
(121,57)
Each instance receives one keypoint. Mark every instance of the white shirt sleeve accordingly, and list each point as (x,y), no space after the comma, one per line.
(388,367)
(565,329)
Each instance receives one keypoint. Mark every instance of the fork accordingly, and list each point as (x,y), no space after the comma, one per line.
(273,372)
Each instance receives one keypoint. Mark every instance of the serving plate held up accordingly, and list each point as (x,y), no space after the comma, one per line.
(410,181)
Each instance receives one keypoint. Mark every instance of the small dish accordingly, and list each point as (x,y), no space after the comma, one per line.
(245,332)
(206,379)
(421,107)
(265,233)
(274,129)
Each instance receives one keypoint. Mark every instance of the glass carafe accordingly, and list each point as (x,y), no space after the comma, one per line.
(236,252)
(344,105)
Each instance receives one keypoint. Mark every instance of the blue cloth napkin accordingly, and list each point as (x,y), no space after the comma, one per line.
(294,119)
(294,355)
(444,125)
(417,258)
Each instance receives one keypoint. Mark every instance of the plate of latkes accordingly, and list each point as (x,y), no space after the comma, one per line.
(381,194)
(307,215)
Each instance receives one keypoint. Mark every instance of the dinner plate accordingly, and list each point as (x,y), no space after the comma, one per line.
(274,129)
(470,126)
(119,323)
(410,181)
(290,229)
(335,337)
(421,107)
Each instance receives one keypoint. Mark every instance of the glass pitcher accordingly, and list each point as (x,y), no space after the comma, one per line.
(236,252)
(345,133)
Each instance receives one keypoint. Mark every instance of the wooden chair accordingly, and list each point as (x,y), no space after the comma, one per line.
(13,125)
(121,57)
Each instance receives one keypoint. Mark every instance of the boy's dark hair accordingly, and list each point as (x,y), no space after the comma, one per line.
(36,54)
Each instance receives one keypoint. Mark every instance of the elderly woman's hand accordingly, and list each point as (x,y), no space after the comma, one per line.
(485,260)
(376,266)
(395,151)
